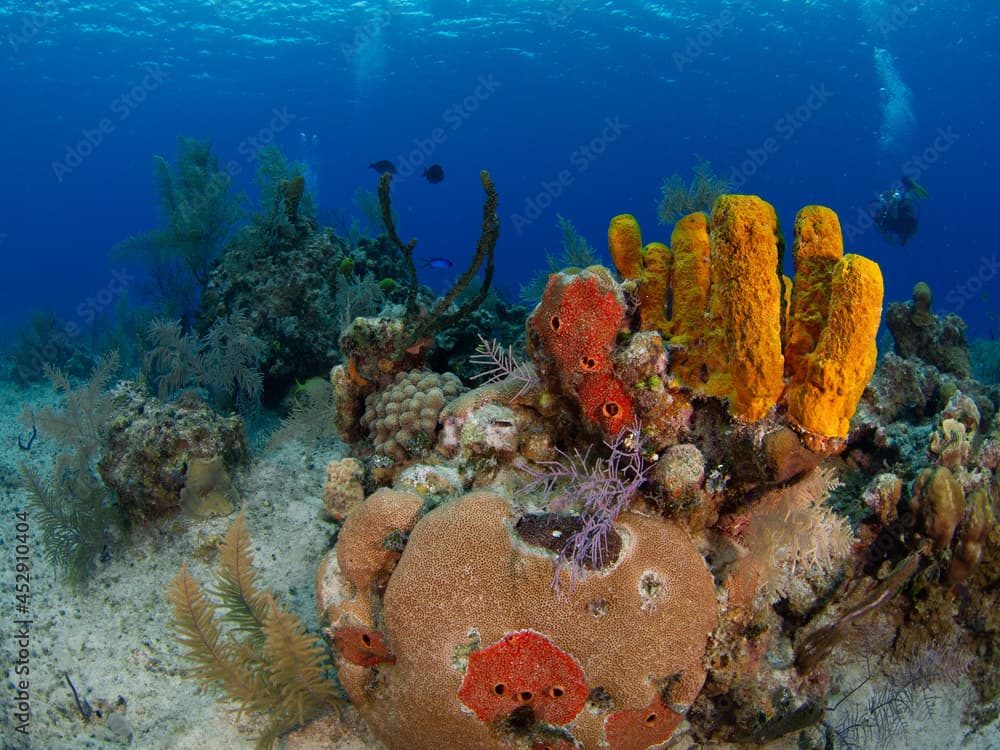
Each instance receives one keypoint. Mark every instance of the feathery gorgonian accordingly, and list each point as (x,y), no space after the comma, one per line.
(601,488)
(502,364)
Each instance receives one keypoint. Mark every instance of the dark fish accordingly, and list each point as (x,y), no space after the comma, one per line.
(434,173)
(382,166)
(437,263)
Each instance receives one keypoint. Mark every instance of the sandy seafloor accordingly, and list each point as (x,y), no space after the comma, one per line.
(112,636)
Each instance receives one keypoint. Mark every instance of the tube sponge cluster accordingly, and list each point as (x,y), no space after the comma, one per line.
(740,330)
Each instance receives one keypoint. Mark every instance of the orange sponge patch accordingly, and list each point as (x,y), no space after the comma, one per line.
(637,729)
(523,669)
(362,646)
(575,328)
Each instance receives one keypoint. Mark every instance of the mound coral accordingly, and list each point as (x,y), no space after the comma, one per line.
(485,651)
(402,419)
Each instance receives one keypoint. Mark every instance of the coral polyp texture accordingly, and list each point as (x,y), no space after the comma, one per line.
(402,419)
(486,654)
(736,330)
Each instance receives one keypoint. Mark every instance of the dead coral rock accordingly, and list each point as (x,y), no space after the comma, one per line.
(882,495)
(427,479)
(376,350)
(679,476)
(343,490)
(498,421)
(289,292)
(151,443)
(465,582)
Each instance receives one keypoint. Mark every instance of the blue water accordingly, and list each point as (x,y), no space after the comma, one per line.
(576,108)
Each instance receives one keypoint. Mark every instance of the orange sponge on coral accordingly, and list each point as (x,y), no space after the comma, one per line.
(571,338)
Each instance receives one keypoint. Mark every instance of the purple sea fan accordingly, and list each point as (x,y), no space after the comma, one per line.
(602,488)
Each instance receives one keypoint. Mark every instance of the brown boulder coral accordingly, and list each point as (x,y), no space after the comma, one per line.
(481,653)
(150,445)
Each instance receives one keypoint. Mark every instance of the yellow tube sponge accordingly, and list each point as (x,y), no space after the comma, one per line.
(745,306)
(836,372)
(689,283)
(653,287)
(817,248)
(625,244)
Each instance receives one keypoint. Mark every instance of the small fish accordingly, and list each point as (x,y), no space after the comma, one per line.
(382,166)
(434,173)
(438,263)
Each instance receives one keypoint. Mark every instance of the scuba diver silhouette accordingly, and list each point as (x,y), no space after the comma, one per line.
(896,212)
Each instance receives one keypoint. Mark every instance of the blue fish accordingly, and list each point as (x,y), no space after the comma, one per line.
(439,263)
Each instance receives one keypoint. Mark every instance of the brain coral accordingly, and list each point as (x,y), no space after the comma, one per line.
(402,419)
(482,654)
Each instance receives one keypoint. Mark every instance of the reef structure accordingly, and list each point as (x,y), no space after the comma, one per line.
(451,611)
(738,329)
